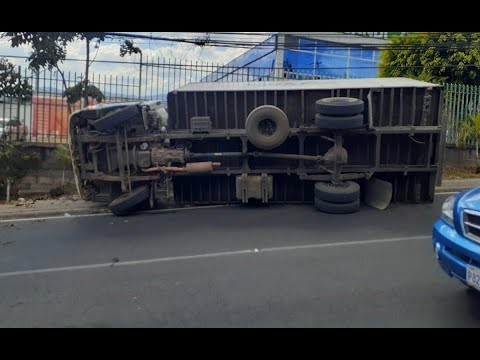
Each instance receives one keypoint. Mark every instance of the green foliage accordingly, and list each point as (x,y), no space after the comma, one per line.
(15,160)
(437,57)
(63,156)
(49,49)
(128,48)
(11,82)
(469,129)
(74,93)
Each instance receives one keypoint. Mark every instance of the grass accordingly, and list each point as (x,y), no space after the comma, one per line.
(456,173)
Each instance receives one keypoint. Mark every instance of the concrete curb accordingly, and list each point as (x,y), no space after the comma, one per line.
(448,189)
(52,212)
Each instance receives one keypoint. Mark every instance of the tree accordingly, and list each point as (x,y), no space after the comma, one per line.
(89,37)
(75,93)
(129,48)
(436,56)
(12,157)
(11,82)
(470,131)
(14,161)
(49,50)
(64,159)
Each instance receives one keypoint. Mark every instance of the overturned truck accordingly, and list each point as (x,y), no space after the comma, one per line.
(332,143)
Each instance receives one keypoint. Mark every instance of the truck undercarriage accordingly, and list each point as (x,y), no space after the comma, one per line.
(327,142)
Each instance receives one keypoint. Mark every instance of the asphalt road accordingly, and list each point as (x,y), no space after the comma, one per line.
(285,266)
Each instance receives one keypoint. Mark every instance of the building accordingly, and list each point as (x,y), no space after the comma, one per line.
(307,56)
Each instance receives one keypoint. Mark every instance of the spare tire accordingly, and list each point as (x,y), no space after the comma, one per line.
(350,191)
(339,106)
(339,122)
(117,118)
(267,127)
(126,202)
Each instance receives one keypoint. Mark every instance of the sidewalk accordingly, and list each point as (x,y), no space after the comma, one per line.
(56,207)
(457,185)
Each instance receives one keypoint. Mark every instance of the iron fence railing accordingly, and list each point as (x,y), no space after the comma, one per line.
(461,101)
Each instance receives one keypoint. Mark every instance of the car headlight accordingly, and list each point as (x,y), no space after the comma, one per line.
(447,209)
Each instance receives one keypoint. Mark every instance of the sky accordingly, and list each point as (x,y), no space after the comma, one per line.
(109,50)
(156,81)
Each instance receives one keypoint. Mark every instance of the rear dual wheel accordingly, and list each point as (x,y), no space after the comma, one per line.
(339,113)
(337,199)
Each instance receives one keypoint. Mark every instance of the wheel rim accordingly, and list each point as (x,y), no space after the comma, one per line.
(267,127)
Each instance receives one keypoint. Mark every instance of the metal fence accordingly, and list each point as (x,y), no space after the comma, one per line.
(461,101)
(44,118)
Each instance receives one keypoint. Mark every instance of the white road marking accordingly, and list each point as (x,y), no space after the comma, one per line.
(210,255)
(150,212)
(447,193)
(346,243)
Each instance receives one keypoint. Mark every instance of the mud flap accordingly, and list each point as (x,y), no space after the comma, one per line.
(378,193)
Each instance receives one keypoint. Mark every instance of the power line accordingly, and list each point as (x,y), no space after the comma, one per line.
(248,44)
(212,66)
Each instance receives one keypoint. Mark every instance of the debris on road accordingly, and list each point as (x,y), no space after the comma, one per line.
(23,202)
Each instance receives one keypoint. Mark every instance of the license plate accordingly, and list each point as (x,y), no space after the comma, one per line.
(473,277)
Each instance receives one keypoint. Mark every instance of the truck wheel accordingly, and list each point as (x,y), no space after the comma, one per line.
(333,208)
(117,118)
(350,191)
(339,122)
(339,106)
(125,202)
(267,127)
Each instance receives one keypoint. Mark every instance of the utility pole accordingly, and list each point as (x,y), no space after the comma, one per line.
(140,78)
(84,102)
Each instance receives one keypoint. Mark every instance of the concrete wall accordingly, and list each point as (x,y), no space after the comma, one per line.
(459,156)
(48,176)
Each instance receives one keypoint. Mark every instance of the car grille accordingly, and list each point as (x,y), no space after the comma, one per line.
(471,225)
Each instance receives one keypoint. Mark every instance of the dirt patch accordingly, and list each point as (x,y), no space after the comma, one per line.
(456,173)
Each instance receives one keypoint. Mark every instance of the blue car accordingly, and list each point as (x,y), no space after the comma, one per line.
(456,237)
